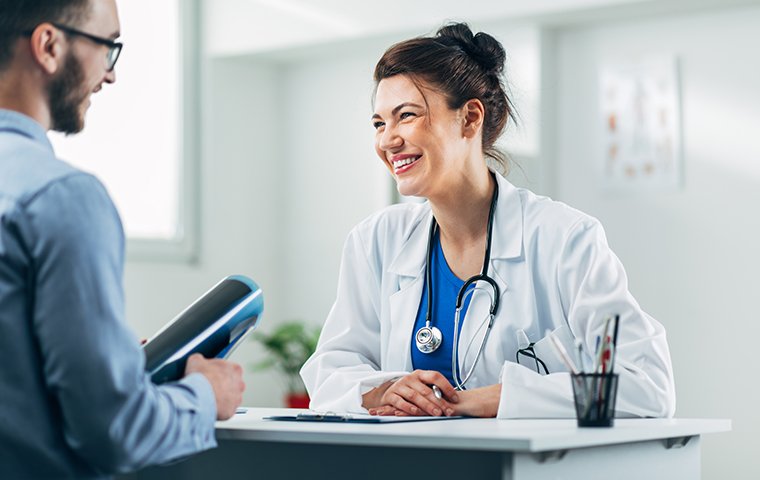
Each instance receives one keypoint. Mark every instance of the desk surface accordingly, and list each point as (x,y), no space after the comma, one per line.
(537,435)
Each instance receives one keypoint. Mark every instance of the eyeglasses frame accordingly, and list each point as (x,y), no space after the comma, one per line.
(112,45)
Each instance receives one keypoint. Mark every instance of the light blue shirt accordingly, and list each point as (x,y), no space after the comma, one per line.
(75,400)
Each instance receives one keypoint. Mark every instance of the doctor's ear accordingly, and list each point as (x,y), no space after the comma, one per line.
(472,114)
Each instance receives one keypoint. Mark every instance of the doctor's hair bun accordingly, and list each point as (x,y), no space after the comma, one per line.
(462,66)
(481,47)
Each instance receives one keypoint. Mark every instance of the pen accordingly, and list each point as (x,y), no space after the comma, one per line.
(606,356)
(602,346)
(437,392)
(323,417)
(562,353)
(613,354)
(579,353)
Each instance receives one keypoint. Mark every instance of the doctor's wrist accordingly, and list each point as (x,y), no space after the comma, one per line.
(374,397)
(480,402)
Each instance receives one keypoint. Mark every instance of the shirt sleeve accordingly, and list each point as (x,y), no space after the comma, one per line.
(592,284)
(114,417)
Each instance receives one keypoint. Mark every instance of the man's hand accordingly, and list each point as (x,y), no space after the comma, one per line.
(226,378)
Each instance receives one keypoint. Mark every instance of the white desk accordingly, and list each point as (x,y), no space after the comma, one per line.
(250,447)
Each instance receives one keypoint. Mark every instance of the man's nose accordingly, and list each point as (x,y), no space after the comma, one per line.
(110,76)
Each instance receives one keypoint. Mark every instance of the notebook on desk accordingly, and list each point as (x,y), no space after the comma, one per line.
(352,418)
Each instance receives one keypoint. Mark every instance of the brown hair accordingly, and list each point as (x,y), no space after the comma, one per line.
(20,16)
(463,66)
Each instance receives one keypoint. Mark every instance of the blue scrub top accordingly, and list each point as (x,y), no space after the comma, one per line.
(446,286)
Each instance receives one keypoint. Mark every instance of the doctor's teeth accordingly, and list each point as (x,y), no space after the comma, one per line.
(406,161)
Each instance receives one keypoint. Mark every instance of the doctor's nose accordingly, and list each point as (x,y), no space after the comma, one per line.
(390,140)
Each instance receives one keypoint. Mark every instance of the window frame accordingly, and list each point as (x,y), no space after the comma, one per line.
(184,246)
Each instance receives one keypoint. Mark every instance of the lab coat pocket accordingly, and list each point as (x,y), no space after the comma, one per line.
(547,353)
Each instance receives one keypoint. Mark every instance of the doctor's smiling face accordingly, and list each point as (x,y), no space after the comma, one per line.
(419,138)
(440,106)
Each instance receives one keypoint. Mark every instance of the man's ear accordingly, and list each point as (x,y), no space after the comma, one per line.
(473,114)
(48,49)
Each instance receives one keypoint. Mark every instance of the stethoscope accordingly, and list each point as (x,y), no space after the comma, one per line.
(429,337)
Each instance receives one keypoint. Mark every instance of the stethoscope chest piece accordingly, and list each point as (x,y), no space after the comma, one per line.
(428,339)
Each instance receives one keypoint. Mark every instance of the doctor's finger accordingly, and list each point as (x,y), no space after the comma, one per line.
(431,377)
(384,411)
(400,404)
(427,392)
(417,393)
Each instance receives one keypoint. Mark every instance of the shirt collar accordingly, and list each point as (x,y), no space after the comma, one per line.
(12,121)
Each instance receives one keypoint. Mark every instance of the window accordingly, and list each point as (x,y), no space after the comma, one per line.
(140,134)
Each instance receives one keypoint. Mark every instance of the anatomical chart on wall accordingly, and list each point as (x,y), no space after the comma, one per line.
(640,116)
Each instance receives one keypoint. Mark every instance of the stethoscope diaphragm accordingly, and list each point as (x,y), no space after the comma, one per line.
(428,339)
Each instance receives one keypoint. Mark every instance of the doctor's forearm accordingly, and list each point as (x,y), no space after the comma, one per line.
(373,398)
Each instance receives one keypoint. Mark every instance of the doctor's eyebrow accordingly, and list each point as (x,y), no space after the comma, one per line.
(398,107)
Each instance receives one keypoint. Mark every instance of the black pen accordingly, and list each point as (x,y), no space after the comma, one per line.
(615,328)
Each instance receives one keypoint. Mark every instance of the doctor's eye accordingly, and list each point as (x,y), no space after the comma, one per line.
(378,124)
(405,115)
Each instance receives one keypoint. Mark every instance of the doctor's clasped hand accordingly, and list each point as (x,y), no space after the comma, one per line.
(412,395)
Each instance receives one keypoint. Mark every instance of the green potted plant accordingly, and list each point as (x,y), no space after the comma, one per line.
(288,348)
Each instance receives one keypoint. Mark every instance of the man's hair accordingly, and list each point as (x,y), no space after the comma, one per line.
(18,16)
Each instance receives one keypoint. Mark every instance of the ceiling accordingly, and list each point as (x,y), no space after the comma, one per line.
(235,27)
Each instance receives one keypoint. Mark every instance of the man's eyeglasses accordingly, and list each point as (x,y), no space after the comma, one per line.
(114,48)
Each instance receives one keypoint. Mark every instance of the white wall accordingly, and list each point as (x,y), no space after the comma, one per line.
(240,182)
(692,255)
(333,177)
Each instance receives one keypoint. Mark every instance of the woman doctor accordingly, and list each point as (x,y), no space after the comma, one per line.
(538,265)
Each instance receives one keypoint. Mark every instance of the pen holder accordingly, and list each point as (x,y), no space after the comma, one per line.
(595,395)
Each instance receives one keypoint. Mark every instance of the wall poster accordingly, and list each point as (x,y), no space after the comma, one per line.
(641,131)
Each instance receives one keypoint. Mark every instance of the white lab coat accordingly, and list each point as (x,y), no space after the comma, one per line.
(555,271)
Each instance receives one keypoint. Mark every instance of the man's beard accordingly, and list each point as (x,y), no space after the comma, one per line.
(67,96)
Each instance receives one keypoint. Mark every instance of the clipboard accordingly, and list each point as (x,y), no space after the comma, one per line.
(352,418)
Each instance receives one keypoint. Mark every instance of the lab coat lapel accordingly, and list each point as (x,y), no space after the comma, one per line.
(409,267)
(506,244)
(507,241)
